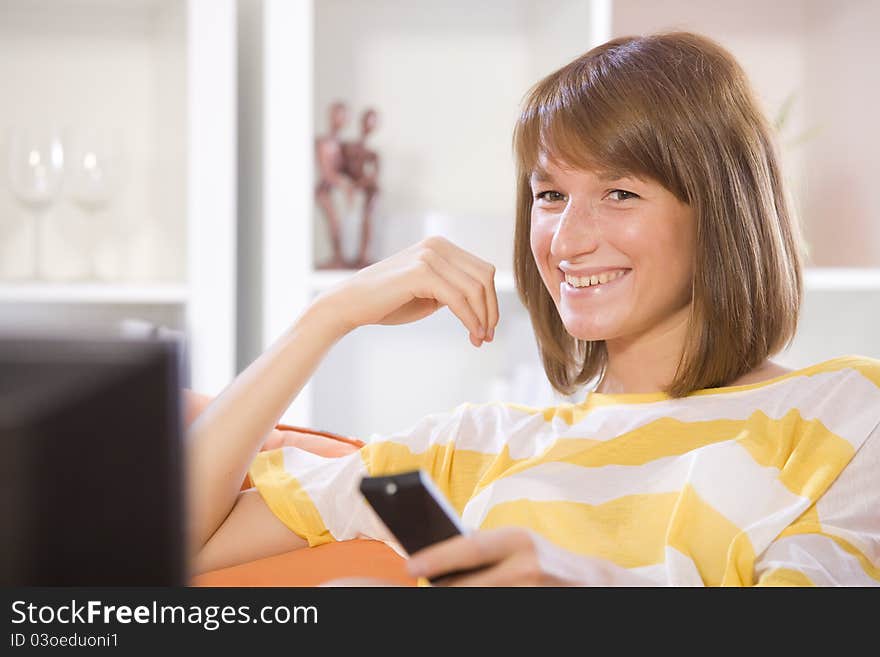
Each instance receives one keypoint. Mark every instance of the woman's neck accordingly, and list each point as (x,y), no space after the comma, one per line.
(646,362)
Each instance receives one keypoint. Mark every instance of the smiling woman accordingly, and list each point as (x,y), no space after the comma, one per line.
(655,247)
(650,155)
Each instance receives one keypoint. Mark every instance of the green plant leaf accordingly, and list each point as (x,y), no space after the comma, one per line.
(784,111)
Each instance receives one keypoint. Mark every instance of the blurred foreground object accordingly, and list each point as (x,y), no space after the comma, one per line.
(91,488)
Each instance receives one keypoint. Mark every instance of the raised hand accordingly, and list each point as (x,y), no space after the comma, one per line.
(416,282)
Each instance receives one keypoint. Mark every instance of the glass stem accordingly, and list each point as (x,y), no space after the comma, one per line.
(39,220)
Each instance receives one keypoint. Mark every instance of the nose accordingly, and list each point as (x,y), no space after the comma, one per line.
(577,232)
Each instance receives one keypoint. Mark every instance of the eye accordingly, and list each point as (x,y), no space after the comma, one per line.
(550,196)
(624,195)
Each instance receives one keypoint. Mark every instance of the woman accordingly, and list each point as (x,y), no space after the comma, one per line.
(654,249)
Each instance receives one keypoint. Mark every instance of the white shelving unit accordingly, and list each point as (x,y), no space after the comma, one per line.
(275,175)
(446,79)
(284,97)
(830,279)
(91,293)
(163,74)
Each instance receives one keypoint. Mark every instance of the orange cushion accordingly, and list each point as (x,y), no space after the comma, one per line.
(306,566)
(313,566)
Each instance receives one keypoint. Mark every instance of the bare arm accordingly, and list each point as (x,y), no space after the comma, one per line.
(224,524)
(250,531)
(224,440)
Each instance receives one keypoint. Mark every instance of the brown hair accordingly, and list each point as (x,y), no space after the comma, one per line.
(677,108)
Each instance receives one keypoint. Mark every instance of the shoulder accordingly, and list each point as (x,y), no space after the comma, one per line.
(853,378)
(851,361)
(862,372)
(859,370)
(843,393)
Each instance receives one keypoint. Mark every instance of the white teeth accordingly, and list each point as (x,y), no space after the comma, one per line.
(599,279)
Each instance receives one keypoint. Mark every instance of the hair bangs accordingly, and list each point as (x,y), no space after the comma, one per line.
(584,117)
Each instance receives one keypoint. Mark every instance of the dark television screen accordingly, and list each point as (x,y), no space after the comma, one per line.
(91,489)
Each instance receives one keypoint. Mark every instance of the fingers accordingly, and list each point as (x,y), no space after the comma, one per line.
(472,289)
(518,569)
(479,269)
(358,581)
(455,289)
(482,548)
(489,576)
(452,297)
(461,262)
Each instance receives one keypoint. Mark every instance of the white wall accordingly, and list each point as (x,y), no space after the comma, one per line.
(835,323)
(162,253)
(842,212)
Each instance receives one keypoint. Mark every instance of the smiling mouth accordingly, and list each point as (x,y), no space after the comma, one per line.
(596,280)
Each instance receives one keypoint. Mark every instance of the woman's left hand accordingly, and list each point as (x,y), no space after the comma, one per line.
(511,556)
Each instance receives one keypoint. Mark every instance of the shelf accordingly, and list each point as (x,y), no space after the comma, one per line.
(94,293)
(840,278)
(321,280)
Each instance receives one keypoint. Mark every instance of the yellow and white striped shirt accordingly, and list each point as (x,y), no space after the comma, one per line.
(773,483)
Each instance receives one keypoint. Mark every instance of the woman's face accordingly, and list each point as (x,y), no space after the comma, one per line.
(631,239)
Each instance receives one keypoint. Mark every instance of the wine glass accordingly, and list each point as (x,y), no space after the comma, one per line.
(35,170)
(94,172)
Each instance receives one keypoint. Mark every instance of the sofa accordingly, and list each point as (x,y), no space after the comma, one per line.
(311,566)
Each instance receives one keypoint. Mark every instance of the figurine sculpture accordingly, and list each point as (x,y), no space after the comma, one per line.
(331,175)
(351,167)
(362,166)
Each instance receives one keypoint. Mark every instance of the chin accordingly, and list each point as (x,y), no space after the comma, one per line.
(589,329)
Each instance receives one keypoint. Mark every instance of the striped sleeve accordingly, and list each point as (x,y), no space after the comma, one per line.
(836,542)
(318,498)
